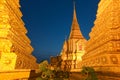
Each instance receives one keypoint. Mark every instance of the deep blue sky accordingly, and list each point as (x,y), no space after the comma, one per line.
(49,21)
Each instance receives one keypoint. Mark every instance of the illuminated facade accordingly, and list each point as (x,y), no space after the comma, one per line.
(15,48)
(73,48)
(103,47)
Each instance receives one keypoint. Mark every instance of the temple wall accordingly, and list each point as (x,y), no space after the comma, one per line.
(23,74)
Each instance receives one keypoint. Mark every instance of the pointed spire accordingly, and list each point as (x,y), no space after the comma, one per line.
(74,14)
(75,29)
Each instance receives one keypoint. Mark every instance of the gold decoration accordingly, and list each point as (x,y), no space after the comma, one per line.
(15,48)
(73,48)
(104,43)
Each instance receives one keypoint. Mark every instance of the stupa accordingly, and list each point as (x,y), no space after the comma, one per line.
(15,48)
(103,47)
(73,48)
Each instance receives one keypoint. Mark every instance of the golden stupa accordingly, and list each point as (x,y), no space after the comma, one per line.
(73,48)
(15,48)
(103,47)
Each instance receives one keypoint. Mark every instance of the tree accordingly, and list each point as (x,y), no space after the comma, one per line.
(89,73)
(46,72)
(43,66)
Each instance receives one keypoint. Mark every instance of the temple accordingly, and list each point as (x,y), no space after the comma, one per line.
(103,47)
(73,48)
(15,48)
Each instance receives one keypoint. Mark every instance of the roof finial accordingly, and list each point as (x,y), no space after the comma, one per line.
(74,12)
(74,3)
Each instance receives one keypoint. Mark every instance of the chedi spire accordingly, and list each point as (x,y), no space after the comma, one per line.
(75,29)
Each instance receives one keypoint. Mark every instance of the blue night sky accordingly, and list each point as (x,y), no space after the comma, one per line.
(49,22)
